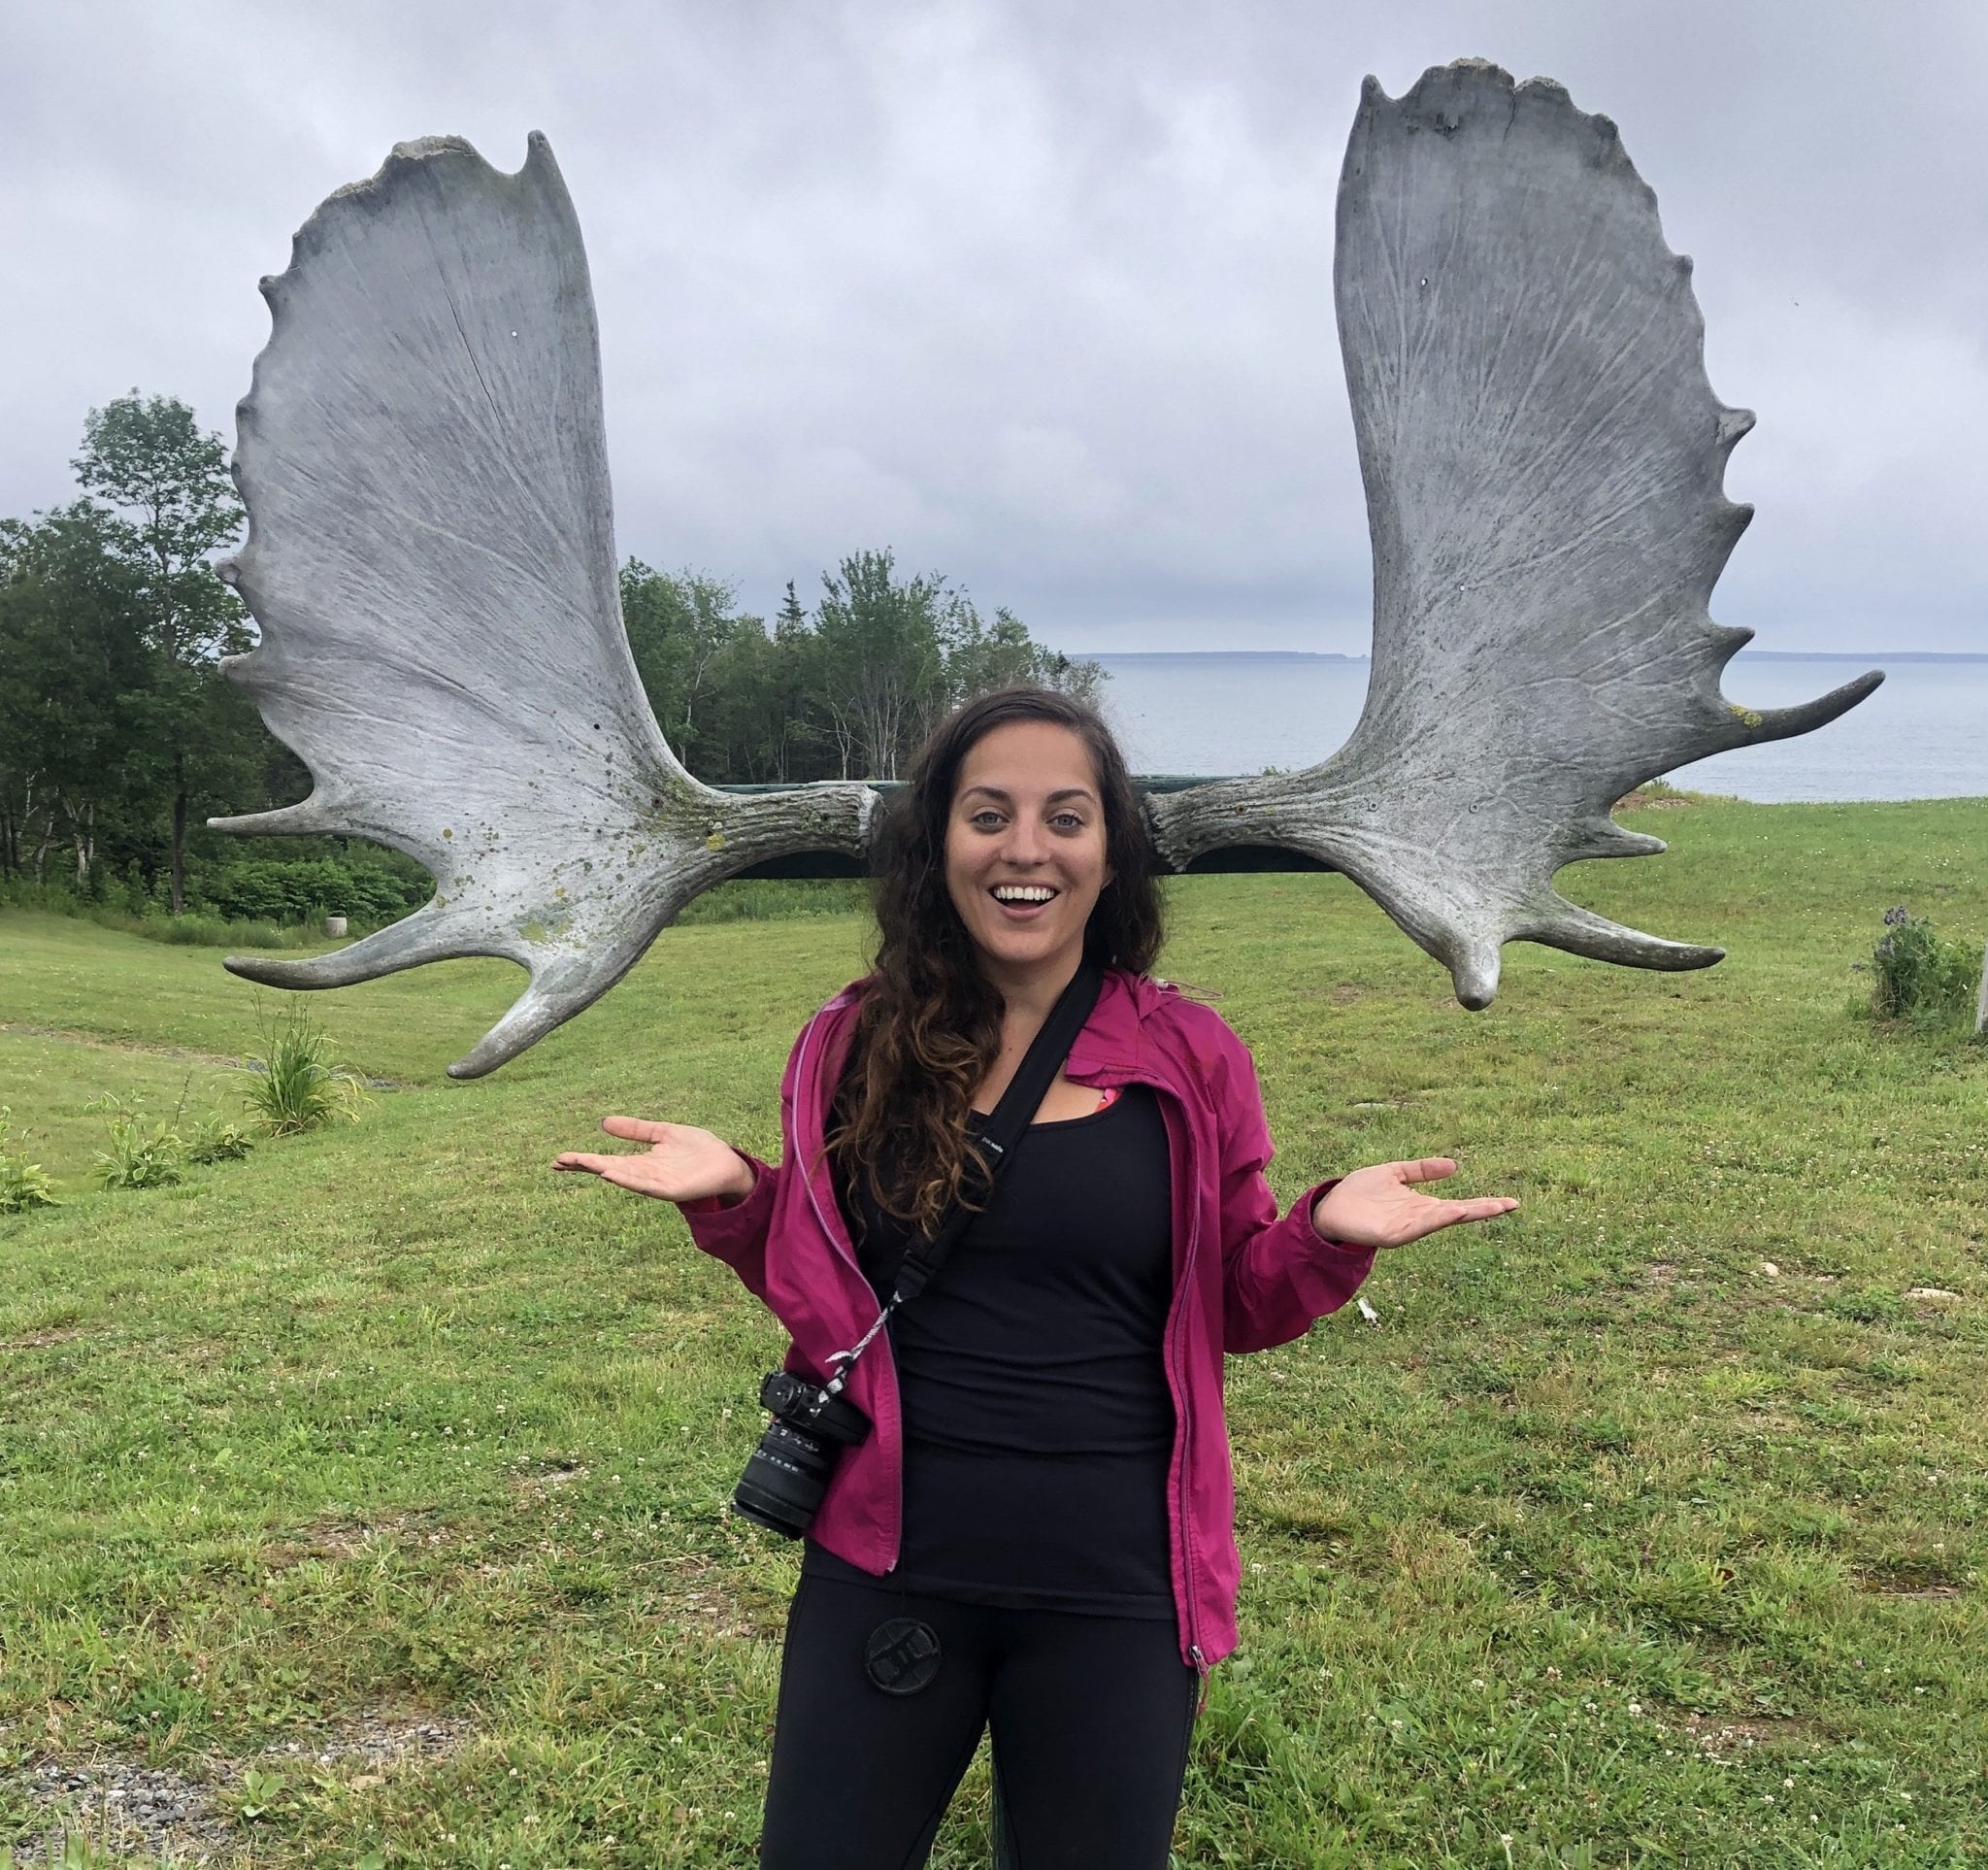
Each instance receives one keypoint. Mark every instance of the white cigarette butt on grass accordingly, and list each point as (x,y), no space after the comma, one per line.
(1367,1312)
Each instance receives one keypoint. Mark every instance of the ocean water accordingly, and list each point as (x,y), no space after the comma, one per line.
(1924,734)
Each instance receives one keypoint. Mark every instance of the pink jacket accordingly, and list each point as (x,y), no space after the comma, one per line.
(1243,1279)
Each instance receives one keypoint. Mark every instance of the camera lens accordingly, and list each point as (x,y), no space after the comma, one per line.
(784,1479)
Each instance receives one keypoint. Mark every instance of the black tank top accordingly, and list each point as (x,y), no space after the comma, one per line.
(1037,1419)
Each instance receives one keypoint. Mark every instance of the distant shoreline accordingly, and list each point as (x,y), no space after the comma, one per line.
(1868,657)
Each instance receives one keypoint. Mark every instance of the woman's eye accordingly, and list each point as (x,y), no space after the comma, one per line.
(1067,822)
(986,820)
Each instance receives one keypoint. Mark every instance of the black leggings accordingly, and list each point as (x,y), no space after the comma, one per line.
(1090,1716)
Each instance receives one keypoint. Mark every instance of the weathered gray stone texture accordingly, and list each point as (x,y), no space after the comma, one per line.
(1543,461)
(431,558)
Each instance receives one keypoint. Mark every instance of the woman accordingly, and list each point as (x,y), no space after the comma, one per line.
(1047,1484)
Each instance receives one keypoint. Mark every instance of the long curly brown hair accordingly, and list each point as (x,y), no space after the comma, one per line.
(929,1026)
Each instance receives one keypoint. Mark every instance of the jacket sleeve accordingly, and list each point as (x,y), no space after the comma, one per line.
(738,1234)
(1278,1274)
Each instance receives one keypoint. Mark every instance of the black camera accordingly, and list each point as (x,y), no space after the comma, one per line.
(788,1472)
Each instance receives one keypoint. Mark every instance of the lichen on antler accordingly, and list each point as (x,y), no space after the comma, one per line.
(431,559)
(1544,460)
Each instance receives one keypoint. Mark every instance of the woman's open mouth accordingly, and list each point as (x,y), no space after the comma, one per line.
(1023,902)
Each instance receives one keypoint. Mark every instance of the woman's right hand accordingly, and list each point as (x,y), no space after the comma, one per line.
(680,1164)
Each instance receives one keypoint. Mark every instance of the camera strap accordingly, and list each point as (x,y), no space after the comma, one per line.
(1010,1116)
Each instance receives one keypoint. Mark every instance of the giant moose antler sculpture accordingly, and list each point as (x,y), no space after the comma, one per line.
(431,558)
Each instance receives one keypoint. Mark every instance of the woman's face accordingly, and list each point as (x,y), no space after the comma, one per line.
(1025,849)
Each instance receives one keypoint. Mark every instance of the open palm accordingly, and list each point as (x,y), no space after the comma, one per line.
(1382,1206)
(682,1163)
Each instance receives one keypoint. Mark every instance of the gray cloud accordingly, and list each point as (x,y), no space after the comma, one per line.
(1039,295)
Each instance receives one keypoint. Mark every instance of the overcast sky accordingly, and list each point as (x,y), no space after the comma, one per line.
(1039,295)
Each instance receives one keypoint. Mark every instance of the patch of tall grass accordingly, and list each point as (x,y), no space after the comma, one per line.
(298,1084)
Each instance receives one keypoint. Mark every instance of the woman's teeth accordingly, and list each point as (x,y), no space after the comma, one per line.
(1022,893)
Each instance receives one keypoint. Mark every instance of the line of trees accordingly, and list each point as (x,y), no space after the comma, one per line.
(845,692)
(118,735)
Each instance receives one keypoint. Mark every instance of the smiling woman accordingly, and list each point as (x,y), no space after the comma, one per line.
(1016,1490)
(1025,854)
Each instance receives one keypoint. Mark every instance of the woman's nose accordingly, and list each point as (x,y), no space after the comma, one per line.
(1025,842)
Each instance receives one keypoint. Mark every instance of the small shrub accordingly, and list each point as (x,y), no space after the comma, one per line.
(219,1139)
(22,1184)
(298,1084)
(1918,976)
(138,1158)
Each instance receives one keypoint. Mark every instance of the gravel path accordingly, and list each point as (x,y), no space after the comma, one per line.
(152,1814)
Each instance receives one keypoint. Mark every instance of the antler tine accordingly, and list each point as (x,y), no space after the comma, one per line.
(305,819)
(1581,931)
(1780,723)
(533,1014)
(429,934)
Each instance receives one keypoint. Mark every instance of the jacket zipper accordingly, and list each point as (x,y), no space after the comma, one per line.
(1183,1300)
(849,1257)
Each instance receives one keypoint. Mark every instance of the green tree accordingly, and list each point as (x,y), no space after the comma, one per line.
(172,508)
(881,661)
(798,735)
(891,656)
(680,626)
(73,648)
(979,658)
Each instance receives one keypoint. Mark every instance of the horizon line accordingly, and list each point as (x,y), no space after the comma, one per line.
(1342,655)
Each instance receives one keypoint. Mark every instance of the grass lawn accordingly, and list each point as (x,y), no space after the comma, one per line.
(1645,1527)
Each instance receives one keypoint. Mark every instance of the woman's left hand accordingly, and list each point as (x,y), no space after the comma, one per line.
(1383,1207)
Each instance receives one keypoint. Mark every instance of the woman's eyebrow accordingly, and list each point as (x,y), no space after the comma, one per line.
(1067,792)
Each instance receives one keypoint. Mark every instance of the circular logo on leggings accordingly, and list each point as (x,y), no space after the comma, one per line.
(902,1655)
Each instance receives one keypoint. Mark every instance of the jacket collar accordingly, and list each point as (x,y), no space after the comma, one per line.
(1111,1039)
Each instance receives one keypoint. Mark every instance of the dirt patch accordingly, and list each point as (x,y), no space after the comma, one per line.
(696,1596)
(1723,1741)
(97,1043)
(40,1340)
(1922,1583)
(1641,801)
(333,1538)
(225,1061)
(377,1742)
(338,1538)
(543,1483)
